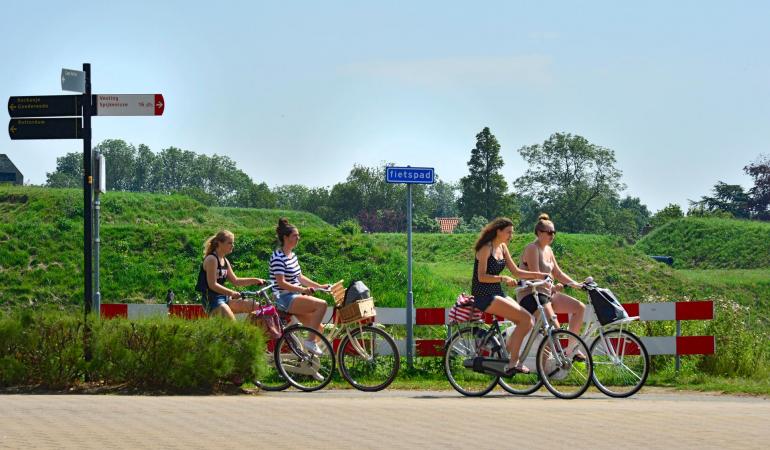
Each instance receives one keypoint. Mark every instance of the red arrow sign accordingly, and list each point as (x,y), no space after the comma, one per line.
(129,104)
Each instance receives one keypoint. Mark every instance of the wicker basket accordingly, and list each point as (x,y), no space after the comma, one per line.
(362,309)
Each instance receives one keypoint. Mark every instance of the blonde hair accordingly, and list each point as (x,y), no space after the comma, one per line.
(490,231)
(542,221)
(211,244)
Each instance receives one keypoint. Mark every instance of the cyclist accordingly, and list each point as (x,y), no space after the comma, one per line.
(538,256)
(492,256)
(218,299)
(292,289)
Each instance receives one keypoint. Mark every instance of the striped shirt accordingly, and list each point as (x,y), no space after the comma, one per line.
(280,264)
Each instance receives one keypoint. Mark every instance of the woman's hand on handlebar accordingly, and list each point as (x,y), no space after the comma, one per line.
(236,295)
(508,280)
(260,282)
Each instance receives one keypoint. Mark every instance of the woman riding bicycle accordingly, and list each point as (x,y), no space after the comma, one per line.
(492,256)
(215,270)
(294,290)
(538,256)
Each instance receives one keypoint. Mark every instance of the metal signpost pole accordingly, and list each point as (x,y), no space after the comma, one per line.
(99,164)
(409,293)
(87,194)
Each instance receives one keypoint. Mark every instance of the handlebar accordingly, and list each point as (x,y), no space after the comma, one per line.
(266,286)
(529,284)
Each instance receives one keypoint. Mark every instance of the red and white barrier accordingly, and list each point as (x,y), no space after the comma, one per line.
(656,345)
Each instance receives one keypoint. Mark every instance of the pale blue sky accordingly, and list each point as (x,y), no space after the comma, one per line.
(297,92)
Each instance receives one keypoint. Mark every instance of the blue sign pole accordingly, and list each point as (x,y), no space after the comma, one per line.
(409,176)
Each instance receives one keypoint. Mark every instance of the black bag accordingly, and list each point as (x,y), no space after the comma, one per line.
(357,290)
(607,307)
(202,287)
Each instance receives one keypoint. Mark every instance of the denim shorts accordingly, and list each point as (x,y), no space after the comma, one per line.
(285,299)
(215,301)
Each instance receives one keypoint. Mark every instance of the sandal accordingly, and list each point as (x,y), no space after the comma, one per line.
(518,368)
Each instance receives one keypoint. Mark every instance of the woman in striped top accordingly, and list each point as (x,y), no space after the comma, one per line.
(294,291)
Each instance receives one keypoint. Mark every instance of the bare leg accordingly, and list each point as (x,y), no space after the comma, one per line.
(224,311)
(509,309)
(563,303)
(309,310)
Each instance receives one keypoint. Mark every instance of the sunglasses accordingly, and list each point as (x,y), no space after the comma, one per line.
(550,232)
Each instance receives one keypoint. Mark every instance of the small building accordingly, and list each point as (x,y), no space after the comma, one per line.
(8,171)
(447,224)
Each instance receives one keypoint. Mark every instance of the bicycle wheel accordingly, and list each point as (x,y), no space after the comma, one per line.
(522,384)
(461,348)
(369,359)
(621,363)
(561,374)
(296,362)
(272,380)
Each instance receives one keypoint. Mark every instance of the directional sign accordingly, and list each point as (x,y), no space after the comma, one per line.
(69,128)
(73,80)
(129,104)
(45,106)
(409,175)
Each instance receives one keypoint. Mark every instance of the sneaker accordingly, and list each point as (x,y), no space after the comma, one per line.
(317,376)
(313,348)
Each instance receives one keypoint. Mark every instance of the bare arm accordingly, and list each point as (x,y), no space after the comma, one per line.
(560,275)
(308,282)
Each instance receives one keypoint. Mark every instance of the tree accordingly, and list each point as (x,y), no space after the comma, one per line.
(568,176)
(121,164)
(68,173)
(759,194)
(670,212)
(484,186)
(728,198)
(441,199)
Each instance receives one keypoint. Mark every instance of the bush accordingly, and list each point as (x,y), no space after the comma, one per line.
(41,349)
(350,227)
(175,355)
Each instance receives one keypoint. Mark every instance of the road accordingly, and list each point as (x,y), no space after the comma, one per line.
(346,419)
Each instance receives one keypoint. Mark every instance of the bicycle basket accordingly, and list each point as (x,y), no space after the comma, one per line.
(464,310)
(607,307)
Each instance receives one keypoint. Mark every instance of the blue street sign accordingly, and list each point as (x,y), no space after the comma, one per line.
(409,175)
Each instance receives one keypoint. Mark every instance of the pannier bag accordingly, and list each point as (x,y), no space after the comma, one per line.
(266,318)
(355,292)
(464,310)
(607,307)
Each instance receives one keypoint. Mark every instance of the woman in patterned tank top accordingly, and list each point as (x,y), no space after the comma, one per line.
(492,256)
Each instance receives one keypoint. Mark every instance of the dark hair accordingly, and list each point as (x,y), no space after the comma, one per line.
(284,228)
(490,231)
(542,221)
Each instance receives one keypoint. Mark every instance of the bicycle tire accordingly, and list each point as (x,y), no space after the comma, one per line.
(461,346)
(362,371)
(272,381)
(563,376)
(304,370)
(615,377)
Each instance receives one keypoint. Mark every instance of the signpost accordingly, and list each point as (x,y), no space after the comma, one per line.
(409,176)
(69,117)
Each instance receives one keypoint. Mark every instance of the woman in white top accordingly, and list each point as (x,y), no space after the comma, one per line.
(293,290)
(538,257)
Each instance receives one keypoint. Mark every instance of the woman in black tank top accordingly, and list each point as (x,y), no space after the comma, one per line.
(492,256)
(215,270)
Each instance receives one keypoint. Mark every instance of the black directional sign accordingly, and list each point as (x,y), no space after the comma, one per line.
(69,128)
(45,106)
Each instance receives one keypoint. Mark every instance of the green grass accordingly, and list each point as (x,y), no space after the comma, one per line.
(711,243)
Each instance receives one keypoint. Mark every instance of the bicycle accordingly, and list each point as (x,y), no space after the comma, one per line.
(367,355)
(289,361)
(621,361)
(475,358)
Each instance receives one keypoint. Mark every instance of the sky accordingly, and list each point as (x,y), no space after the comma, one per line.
(297,92)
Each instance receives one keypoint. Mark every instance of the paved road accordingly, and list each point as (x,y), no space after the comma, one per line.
(348,419)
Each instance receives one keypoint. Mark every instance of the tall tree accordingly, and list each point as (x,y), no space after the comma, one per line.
(484,187)
(68,173)
(568,176)
(727,198)
(759,194)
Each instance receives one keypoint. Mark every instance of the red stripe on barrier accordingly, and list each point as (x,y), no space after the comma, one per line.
(695,345)
(187,311)
(627,348)
(562,317)
(429,347)
(430,316)
(488,318)
(631,308)
(695,310)
(110,311)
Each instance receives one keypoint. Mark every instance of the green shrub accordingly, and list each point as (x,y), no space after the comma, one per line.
(349,226)
(175,354)
(40,349)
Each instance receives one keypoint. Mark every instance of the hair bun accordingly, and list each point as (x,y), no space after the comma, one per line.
(543,216)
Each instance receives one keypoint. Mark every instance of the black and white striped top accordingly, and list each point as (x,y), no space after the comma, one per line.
(280,264)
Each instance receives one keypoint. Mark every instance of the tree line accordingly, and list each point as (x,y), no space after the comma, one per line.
(575,181)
